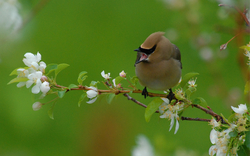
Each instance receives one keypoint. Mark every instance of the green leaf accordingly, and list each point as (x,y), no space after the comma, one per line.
(50,68)
(233,134)
(200,101)
(82,97)
(186,78)
(72,86)
(246,90)
(51,110)
(190,91)
(134,80)
(245,48)
(61,93)
(82,76)
(14,72)
(152,107)
(118,79)
(248,116)
(231,118)
(60,67)
(243,151)
(18,79)
(94,83)
(110,97)
(247,139)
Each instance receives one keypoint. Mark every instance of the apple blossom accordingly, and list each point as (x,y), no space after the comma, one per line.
(30,58)
(45,87)
(242,108)
(105,76)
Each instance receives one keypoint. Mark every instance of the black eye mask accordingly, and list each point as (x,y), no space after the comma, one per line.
(146,51)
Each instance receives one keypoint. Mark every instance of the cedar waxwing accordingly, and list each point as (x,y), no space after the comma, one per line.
(158,64)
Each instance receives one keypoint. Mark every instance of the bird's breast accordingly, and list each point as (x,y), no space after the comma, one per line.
(159,75)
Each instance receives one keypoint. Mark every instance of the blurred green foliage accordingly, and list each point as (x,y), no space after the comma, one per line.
(101,35)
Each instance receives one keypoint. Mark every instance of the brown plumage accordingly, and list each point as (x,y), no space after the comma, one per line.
(158,64)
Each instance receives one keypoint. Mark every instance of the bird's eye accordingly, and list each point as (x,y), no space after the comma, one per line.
(147,51)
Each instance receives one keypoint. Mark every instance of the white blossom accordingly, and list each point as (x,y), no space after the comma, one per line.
(122,74)
(45,87)
(143,148)
(192,83)
(171,112)
(220,141)
(214,123)
(36,106)
(242,108)
(34,78)
(42,66)
(31,59)
(105,76)
(92,95)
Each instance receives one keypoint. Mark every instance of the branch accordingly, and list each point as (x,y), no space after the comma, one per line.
(195,119)
(211,112)
(125,93)
(116,91)
(137,102)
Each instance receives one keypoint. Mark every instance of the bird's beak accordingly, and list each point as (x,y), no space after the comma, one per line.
(138,50)
(141,57)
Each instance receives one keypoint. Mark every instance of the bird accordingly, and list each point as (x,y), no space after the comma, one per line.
(158,64)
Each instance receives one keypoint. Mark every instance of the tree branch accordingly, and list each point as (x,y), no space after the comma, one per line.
(125,93)
(137,102)
(195,119)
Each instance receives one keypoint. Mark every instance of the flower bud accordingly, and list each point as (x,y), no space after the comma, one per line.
(123,74)
(36,106)
(44,78)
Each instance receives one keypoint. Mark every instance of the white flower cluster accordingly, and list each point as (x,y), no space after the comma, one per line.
(221,139)
(171,112)
(34,73)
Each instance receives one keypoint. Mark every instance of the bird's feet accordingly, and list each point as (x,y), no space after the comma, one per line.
(144,92)
(170,95)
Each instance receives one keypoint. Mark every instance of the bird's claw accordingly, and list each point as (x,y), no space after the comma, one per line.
(144,92)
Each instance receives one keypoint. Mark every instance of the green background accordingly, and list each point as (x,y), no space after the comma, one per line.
(96,35)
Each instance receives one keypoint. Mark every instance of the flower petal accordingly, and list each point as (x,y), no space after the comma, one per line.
(171,123)
(91,101)
(36,89)
(91,94)
(176,126)
(213,136)
(21,84)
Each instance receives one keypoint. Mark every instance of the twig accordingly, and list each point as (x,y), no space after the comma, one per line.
(195,119)
(137,102)
(211,112)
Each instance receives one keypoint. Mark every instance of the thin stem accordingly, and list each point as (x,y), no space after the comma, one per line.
(137,102)
(195,119)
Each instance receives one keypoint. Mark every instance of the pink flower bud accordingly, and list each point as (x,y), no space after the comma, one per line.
(123,74)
